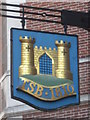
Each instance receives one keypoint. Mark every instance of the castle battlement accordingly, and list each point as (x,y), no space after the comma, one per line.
(45,48)
(27,39)
(27,56)
(62,43)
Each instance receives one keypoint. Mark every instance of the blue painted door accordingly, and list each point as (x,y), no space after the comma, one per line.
(45,64)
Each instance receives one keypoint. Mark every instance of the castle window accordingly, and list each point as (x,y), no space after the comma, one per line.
(45,64)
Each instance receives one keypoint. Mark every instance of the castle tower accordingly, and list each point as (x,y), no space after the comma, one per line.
(63,70)
(27,56)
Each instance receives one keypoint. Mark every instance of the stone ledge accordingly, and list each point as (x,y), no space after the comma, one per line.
(23,109)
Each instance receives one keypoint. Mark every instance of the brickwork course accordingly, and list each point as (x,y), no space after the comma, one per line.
(81,111)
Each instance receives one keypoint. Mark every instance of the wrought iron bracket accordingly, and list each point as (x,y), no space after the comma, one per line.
(65,17)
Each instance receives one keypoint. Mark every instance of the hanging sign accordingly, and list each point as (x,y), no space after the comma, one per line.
(44,68)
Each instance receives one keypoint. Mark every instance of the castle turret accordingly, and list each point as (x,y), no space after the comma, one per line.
(63,70)
(27,56)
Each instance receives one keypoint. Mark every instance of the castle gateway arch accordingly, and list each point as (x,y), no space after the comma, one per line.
(45,64)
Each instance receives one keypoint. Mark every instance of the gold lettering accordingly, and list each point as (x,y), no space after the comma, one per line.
(58,91)
(31,86)
(65,92)
(39,90)
(71,92)
(23,86)
(53,97)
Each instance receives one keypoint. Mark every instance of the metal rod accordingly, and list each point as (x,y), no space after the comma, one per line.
(16,17)
(14,5)
(22,7)
(23,20)
(65,28)
(35,13)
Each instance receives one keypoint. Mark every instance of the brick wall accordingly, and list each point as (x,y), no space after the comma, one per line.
(76,111)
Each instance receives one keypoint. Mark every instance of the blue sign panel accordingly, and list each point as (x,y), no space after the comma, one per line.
(44,68)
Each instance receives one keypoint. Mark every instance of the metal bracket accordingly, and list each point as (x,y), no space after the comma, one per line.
(23,19)
(65,28)
(67,17)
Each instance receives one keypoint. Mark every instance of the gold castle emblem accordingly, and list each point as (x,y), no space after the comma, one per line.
(63,70)
(30,57)
(27,56)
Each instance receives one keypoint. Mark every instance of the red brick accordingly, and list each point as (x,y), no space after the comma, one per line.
(79,111)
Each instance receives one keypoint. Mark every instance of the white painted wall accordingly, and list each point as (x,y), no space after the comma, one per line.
(12,23)
(11,105)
